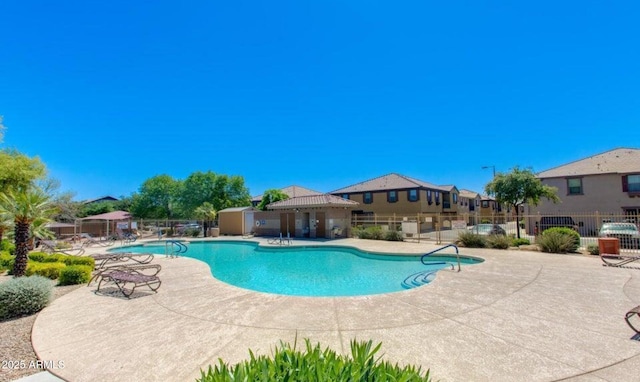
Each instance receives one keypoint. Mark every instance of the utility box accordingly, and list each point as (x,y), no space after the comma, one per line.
(609,245)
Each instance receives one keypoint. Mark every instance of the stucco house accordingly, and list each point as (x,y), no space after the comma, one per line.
(398,194)
(608,183)
(291,191)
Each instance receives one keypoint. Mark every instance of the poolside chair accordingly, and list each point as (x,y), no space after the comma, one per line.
(103,260)
(145,269)
(336,232)
(127,279)
(633,312)
(51,246)
(617,260)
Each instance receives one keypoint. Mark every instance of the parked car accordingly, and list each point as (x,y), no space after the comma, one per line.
(627,233)
(487,229)
(557,221)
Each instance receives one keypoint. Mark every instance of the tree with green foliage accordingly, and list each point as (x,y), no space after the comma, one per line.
(271,196)
(26,207)
(18,172)
(156,198)
(207,213)
(519,187)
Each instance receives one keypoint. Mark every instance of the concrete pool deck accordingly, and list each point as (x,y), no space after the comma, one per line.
(518,316)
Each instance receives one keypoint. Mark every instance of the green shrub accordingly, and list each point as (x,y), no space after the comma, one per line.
(193,232)
(556,242)
(42,257)
(24,295)
(6,260)
(80,260)
(315,364)
(373,233)
(593,249)
(518,242)
(471,240)
(7,245)
(48,270)
(498,241)
(393,236)
(75,274)
(565,231)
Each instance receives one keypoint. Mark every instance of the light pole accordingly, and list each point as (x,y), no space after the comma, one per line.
(491,167)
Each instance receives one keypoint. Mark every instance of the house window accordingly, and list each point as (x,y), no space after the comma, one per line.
(345,196)
(368,198)
(392,196)
(413,195)
(455,198)
(437,198)
(574,186)
(631,183)
(485,204)
(429,197)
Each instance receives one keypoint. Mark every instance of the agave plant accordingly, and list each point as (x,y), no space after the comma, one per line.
(26,208)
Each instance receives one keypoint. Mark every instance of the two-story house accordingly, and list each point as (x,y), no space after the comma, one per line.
(605,185)
(399,194)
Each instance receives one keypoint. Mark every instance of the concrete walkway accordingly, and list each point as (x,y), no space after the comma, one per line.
(519,316)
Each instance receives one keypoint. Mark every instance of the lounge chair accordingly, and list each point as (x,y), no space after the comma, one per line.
(280,240)
(145,269)
(103,260)
(50,246)
(633,312)
(127,279)
(617,260)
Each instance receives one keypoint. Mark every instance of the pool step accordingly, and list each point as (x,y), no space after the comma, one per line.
(419,279)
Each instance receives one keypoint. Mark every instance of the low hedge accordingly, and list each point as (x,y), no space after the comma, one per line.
(48,270)
(75,274)
(80,260)
(24,296)
(42,257)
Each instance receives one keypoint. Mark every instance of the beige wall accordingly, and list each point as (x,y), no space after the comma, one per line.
(602,193)
(380,205)
(230,223)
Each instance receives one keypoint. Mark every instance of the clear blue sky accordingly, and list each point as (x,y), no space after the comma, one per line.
(321,94)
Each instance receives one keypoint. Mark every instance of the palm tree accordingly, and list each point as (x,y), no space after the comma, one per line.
(207,213)
(25,207)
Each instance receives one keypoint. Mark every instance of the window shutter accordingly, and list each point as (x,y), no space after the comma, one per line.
(625,184)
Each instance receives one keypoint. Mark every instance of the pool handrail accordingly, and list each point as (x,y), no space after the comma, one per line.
(440,249)
(182,248)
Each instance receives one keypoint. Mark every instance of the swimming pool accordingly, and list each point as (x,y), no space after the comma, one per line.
(307,270)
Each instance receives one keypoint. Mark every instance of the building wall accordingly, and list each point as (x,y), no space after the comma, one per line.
(381,206)
(305,222)
(230,223)
(602,193)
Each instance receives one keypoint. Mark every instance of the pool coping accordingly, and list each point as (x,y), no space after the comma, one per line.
(517,316)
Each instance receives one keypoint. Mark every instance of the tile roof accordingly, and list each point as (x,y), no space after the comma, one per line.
(617,161)
(292,192)
(468,194)
(236,209)
(324,200)
(391,181)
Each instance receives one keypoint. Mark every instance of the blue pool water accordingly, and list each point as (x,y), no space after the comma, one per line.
(305,271)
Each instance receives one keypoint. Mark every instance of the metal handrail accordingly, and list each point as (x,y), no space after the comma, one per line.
(440,249)
(181,247)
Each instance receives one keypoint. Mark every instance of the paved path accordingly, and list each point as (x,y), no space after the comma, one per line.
(519,316)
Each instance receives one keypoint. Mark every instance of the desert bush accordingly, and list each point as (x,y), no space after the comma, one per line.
(556,242)
(80,260)
(471,240)
(48,270)
(7,245)
(568,232)
(593,249)
(6,260)
(75,274)
(315,364)
(518,242)
(498,241)
(42,257)
(393,235)
(24,295)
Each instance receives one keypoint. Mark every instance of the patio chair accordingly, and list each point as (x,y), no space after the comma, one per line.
(104,259)
(618,260)
(633,312)
(50,246)
(144,269)
(127,279)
